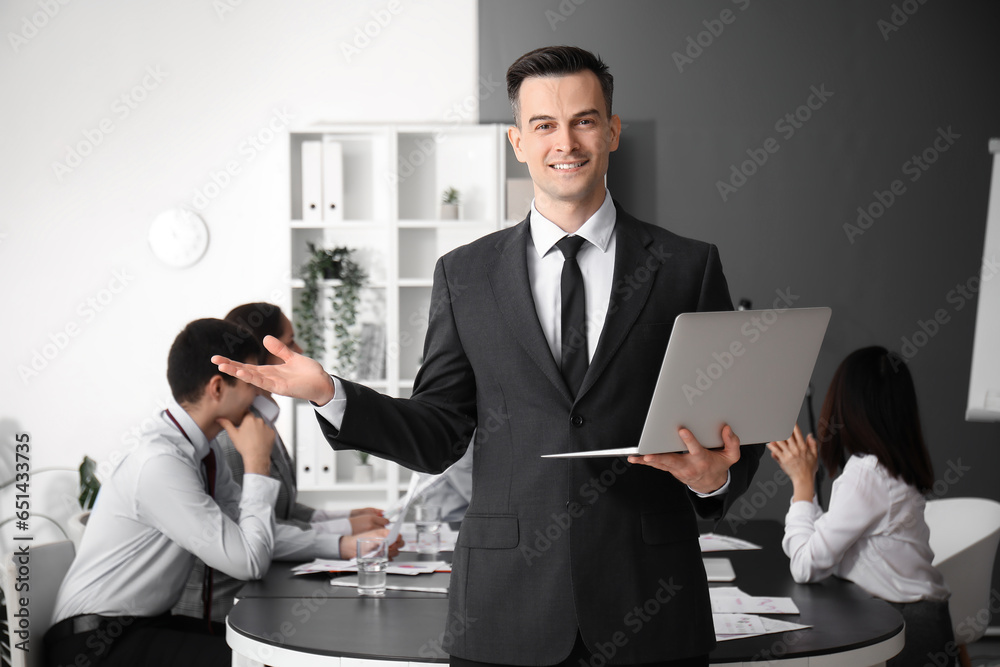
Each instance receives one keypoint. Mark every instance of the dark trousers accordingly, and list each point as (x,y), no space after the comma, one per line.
(581,657)
(162,640)
(930,639)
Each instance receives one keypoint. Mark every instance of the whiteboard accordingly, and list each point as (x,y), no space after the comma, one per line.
(984,378)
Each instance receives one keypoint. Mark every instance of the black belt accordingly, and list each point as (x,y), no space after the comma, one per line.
(74,625)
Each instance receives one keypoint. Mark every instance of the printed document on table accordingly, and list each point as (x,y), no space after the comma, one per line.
(713,542)
(740,626)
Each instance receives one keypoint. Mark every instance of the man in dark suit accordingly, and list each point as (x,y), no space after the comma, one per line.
(540,342)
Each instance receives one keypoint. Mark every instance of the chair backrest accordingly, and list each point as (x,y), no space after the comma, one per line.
(46,565)
(964,536)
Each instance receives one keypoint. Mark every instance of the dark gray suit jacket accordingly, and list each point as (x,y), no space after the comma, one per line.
(552,547)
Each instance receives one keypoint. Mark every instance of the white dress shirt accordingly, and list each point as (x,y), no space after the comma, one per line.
(153,513)
(597,264)
(874,535)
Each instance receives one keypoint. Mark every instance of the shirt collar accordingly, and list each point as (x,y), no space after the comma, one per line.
(597,229)
(191,429)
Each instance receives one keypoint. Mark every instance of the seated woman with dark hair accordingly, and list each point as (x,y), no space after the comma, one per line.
(874,532)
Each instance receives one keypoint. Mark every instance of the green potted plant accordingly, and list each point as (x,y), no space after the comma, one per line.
(336,264)
(450,204)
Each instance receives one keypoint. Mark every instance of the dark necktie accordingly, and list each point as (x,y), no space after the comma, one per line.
(574,315)
(206,587)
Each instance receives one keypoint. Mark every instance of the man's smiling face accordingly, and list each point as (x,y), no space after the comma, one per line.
(565,137)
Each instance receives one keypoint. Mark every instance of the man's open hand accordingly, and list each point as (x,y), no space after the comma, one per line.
(703,470)
(297,376)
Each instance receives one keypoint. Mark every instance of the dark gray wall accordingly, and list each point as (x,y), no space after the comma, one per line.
(893,92)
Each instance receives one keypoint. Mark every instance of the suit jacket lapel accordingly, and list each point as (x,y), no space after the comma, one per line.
(512,291)
(635,269)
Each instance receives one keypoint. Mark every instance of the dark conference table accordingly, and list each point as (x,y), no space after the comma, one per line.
(303,621)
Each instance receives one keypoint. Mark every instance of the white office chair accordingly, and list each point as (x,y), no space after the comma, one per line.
(964,536)
(48,566)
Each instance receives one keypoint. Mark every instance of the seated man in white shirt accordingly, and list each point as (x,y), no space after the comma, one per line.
(169,500)
(299,542)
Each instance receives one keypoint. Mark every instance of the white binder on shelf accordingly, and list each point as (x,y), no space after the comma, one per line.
(312,181)
(306,447)
(326,462)
(333,181)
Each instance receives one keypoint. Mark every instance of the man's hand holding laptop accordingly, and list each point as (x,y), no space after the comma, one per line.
(702,470)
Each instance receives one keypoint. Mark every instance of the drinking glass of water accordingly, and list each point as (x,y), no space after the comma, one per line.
(428,520)
(373,558)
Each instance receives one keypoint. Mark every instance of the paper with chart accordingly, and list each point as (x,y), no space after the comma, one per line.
(734,614)
(741,626)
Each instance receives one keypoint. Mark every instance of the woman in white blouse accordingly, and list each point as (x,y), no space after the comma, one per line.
(874,532)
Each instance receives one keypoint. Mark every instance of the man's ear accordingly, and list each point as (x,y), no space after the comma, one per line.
(214,388)
(615,125)
(514,137)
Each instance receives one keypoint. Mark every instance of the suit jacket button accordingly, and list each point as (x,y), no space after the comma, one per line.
(577,420)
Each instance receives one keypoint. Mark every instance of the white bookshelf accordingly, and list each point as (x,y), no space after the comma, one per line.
(393,180)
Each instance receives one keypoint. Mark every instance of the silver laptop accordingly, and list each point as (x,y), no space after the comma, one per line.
(746,368)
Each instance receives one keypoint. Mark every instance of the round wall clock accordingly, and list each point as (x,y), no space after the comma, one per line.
(178,237)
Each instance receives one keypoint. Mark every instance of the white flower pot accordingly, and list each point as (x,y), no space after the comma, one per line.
(364,473)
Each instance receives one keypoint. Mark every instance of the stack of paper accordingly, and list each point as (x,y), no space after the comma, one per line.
(402,567)
(733,612)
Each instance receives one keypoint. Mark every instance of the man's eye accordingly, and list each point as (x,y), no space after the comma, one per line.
(543,126)
(586,121)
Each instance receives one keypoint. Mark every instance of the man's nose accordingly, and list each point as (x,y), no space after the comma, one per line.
(565,140)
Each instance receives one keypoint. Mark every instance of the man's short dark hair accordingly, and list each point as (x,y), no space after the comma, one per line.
(260,319)
(556,61)
(189,365)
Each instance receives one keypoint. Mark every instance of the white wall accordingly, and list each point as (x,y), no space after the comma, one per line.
(223,73)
